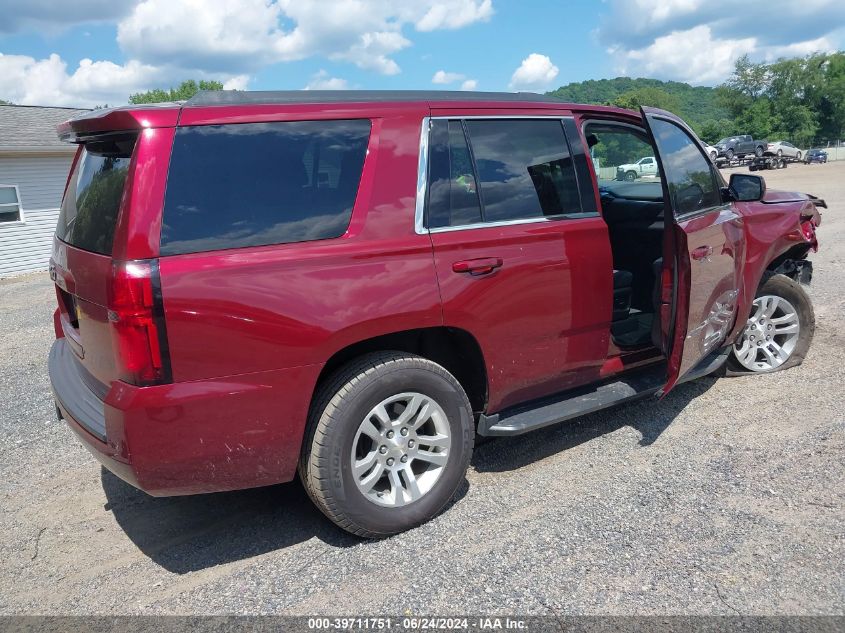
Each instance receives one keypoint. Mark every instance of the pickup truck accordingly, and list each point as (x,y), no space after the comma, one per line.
(739,146)
(645,166)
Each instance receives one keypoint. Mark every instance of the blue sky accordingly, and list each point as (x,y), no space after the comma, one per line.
(92,52)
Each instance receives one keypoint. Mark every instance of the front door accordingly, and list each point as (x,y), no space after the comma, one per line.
(521,264)
(704,248)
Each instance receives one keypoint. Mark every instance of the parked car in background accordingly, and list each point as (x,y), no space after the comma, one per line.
(783,148)
(740,146)
(643,167)
(815,156)
(351,285)
(711,151)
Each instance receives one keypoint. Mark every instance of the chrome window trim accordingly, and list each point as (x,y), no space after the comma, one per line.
(501,223)
(422,178)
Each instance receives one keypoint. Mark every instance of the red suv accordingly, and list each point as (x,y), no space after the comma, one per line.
(351,285)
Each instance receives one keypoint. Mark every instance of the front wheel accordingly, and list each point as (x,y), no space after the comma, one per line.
(713,156)
(779,330)
(389,440)
(729,154)
(758,151)
(630,176)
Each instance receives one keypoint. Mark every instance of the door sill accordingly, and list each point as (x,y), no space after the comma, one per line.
(550,410)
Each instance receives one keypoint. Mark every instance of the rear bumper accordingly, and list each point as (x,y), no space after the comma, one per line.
(190,437)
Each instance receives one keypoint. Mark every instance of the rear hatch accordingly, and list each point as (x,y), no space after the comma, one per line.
(82,266)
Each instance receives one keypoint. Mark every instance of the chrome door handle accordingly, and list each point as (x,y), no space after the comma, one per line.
(480,266)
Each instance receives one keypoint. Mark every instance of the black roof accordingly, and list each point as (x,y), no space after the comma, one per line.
(242,97)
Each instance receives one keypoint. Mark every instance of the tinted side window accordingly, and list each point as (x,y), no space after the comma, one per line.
(251,184)
(687,172)
(453,191)
(524,168)
(88,215)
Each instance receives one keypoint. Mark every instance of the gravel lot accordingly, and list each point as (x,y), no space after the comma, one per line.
(726,497)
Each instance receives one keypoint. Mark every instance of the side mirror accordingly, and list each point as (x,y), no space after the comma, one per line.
(746,187)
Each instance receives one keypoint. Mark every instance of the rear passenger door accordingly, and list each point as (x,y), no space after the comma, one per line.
(522,257)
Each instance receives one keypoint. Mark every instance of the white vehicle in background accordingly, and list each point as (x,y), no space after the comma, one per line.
(712,152)
(646,166)
(783,149)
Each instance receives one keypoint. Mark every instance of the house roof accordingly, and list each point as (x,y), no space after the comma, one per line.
(32,129)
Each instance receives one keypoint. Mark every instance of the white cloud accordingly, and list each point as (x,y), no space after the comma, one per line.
(454,14)
(535,73)
(322,81)
(693,56)
(442,77)
(698,41)
(243,35)
(28,81)
(469,84)
(238,82)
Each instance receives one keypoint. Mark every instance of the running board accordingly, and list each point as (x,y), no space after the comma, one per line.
(547,411)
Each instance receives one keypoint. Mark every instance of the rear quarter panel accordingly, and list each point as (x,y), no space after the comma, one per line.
(273,307)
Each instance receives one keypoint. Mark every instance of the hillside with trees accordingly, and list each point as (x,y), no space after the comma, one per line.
(801,100)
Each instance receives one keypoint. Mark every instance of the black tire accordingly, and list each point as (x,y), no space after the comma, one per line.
(630,176)
(758,151)
(798,157)
(342,403)
(729,155)
(780,152)
(713,156)
(791,290)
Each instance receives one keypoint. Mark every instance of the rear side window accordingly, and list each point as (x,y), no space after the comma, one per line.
(253,184)
(89,210)
(524,168)
(453,190)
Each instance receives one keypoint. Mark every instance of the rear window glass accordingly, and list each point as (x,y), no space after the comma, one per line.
(89,209)
(252,184)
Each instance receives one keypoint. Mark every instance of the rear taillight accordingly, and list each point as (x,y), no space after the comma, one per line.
(136,314)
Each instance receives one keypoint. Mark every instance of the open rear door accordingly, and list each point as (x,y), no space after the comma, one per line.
(703,249)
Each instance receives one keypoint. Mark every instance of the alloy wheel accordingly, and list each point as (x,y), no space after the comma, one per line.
(770,335)
(400,449)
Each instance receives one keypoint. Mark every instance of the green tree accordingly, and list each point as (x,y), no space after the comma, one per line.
(4,102)
(654,97)
(185,91)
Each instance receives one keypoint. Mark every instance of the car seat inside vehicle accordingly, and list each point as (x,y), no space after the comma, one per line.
(634,214)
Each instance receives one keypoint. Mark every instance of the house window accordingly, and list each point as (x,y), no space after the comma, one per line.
(10,206)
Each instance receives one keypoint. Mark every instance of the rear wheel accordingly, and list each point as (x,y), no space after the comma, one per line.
(389,441)
(780,152)
(713,156)
(779,330)
(798,156)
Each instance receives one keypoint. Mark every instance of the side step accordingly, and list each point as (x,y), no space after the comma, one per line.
(559,408)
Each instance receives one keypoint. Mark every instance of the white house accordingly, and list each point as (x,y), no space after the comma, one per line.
(34,166)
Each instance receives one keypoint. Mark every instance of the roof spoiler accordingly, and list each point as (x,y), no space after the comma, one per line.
(120,119)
